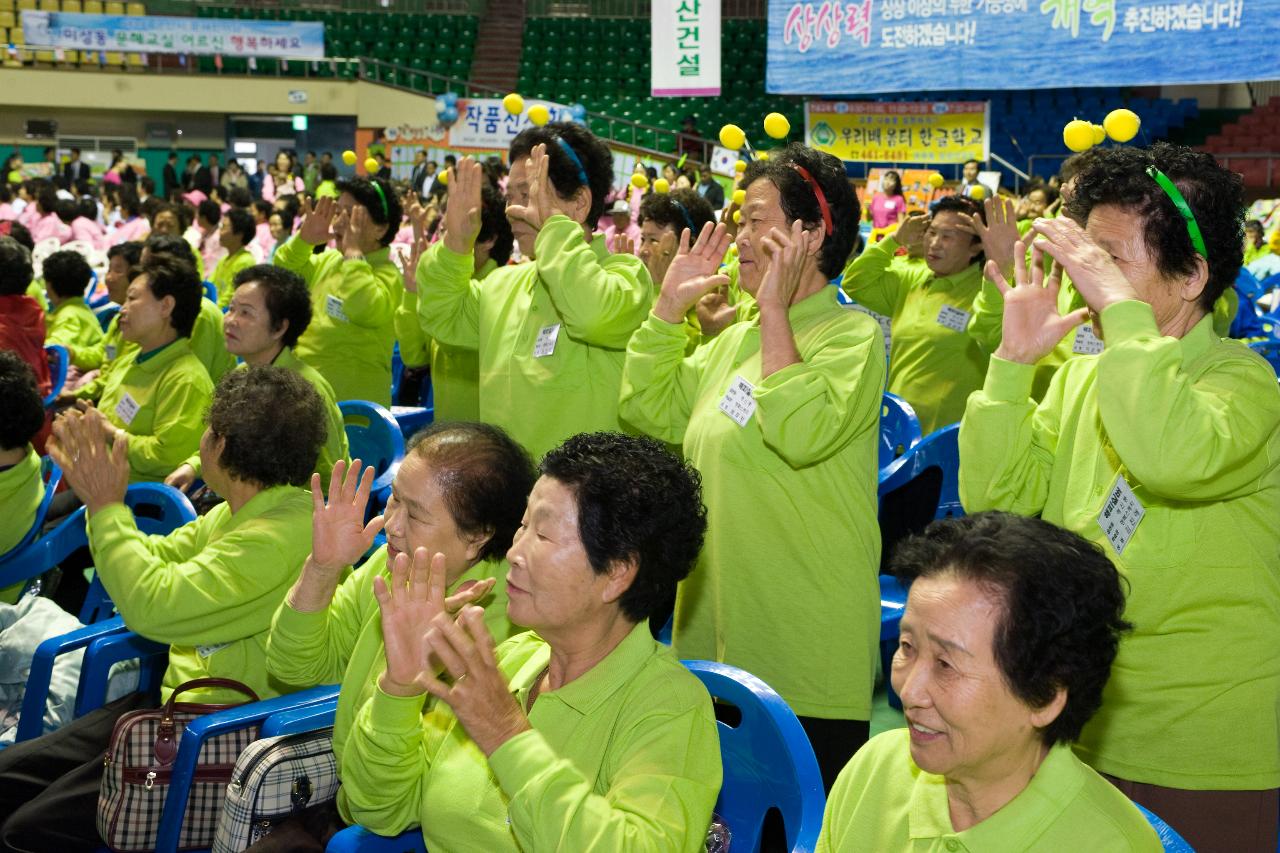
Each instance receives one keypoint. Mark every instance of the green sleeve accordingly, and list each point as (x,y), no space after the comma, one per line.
(89,356)
(986,326)
(181,398)
(415,346)
(808,411)
(869,279)
(1185,438)
(82,338)
(599,302)
(384,763)
(651,804)
(314,648)
(1007,443)
(658,383)
(299,256)
(369,294)
(183,588)
(449,301)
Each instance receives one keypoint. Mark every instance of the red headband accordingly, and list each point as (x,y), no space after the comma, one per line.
(822,198)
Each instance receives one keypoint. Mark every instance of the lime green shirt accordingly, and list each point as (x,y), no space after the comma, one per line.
(21,491)
(792,537)
(344,642)
(883,801)
(1252,253)
(327,189)
(160,402)
(209,588)
(110,348)
(623,758)
(589,299)
(37,292)
(932,366)
(224,274)
(352,331)
(74,326)
(1193,426)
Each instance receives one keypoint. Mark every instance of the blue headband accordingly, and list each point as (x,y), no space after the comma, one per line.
(687,218)
(582,173)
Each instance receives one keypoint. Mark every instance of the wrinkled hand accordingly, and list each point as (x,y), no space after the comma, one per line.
(339,535)
(360,231)
(715,314)
(1093,272)
(317,222)
(789,265)
(911,230)
(181,478)
(623,245)
(543,201)
(99,476)
(692,273)
(479,695)
(462,213)
(409,263)
(1032,325)
(999,233)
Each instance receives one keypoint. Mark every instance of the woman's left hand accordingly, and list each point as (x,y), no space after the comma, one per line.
(99,476)
(479,694)
(789,262)
(1091,268)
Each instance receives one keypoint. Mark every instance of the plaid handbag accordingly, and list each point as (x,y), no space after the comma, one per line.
(139,761)
(275,778)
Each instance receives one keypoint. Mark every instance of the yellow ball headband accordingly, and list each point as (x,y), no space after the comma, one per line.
(1171,190)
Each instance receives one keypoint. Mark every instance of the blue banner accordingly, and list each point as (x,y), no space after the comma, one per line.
(161,34)
(863,46)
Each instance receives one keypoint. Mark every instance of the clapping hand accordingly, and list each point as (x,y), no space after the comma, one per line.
(339,534)
(692,273)
(1032,325)
(543,201)
(1093,271)
(99,476)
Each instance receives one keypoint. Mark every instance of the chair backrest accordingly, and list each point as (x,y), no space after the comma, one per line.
(918,487)
(105,314)
(211,292)
(899,428)
(374,438)
(1170,840)
(58,361)
(768,761)
(1247,284)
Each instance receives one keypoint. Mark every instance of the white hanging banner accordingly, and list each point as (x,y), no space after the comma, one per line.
(686,48)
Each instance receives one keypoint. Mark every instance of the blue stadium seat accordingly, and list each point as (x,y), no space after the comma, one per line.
(1169,837)
(211,292)
(105,314)
(375,439)
(938,451)
(899,428)
(58,362)
(893,601)
(52,476)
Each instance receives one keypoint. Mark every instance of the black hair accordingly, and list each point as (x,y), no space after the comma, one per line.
(148,185)
(263,208)
(799,201)
(15,267)
(273,423)
(286,296)
(168,275)
(661,209)
(1253,225)
(173,246)
(22,234)
(47,199)
(328,172)
(209,211)
(67,274)
(239,197)
(897,179)
(6,192)
(67,210)
(150,207)
(384,208)
(636,501)
(131,251)
(1063,605)
(173,155)
(20,401)
(1077,163)
(484,477)
(286,219)
(596,160)
(1215,195)
(127,198)
(242,225)
(494,225)
(181,212)
(87,208)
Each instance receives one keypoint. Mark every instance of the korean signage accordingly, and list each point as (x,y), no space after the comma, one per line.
(686,48)
(901,132)
(161,34)
(830,48)
(485,123)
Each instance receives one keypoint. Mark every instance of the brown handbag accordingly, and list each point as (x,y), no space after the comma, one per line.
(139,763)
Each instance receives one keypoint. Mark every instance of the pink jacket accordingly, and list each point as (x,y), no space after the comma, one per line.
(134,229)
(269,192)
(7,212)
(50,226)
(89,231)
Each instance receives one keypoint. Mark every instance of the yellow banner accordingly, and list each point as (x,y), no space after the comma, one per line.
(899,132)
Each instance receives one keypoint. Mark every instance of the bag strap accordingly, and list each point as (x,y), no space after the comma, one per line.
(166,746)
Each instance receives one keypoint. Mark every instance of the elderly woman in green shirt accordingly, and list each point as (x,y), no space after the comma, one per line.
(21,486)
(1165,450)
(997,677)
(584,734)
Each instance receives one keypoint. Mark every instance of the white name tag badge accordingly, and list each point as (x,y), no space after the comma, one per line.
(546,342)
(953,318)
(738,403)
(207,651)
(1121,514)
(333,307)
(1087,343)
(110,352)
(127,409)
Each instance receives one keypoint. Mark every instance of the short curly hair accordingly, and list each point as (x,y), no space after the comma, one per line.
(170,276)
(1063,605)
(20,401)
(484,476)
(273,422)
(384,208)
(596,159)
(67,274)
(1118,177)
(636,501)
(663,209)
(799,201)
(286,295)
(242,225)
(15,267)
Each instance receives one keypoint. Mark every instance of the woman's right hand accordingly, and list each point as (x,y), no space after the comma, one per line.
(692,273)
(1032,325)
(339,535)
(462,215)
(317,222)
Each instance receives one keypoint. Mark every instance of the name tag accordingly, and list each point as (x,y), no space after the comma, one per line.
(333,307)
(206,651)
(546,342)
(1087,343)
(738,403)
(953,318)
(890,205)
(110,352)
(127,409)
(1121,515)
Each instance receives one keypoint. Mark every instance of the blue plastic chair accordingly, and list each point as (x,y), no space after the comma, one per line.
(52,476)
(899,428)
(412,418)
(58,362)
(375,439)
(211,292)
(105,314)
(1169,837)
(100,299)
(938,451)
(357,839)
(893,601)
(1270,350)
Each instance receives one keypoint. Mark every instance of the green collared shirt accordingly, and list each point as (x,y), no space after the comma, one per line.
(74,326)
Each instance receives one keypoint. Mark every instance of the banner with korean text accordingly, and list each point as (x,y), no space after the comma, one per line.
(163,34)
(485,123)
(833,48)
(686,48)
(900,132)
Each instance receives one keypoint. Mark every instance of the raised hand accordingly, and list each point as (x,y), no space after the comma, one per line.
(317,222)
(360,231)
(623,245)
(543,201)
(911,230)
(998,233)
(99,476)
(339,534)
(789,264)
(1092,270)
(692,273)
(715,314)
(1032,325)
(462,214)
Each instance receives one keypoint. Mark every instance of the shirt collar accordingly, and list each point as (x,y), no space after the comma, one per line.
(151,355)
(587,692)
(967,277)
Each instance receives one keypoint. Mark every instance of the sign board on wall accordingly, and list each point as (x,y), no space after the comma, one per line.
(685,38)
(485,123)
(164,34)
(899,132)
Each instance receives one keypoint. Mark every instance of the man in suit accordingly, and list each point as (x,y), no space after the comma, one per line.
(419,177)
(74,171)
(170,175)
(384,166)
(201,177)
(215,171)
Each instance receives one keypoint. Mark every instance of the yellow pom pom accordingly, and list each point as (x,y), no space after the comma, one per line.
(1122,125)
(732,137)
(740,166)
(737,217)
(539,115)
(639,181)
(935,180)
(371,165)
(1078,135)
(661,186)
(776,125)
(739,196)
(513,104)
(349,157)
(443,178)
(763,155)
(978,193)
(1099,134)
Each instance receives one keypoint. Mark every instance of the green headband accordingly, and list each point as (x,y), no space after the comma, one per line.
(1171,190)
(387,211)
